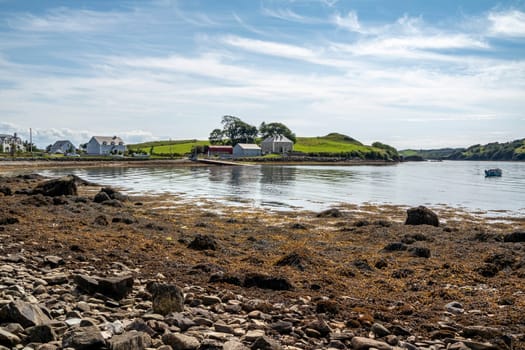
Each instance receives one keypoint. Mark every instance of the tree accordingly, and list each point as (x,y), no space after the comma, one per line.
(275,129)
(237,131)
(216,137)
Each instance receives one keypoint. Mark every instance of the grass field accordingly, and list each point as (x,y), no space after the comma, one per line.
(329,145)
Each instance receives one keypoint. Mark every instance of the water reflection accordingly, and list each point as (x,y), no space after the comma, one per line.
(459,184)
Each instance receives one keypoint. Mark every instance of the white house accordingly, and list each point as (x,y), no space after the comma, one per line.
(8,141)
(105,145)
(277,144)
(246,150)
(62,147)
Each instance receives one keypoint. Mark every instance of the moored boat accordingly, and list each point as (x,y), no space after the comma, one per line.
(493,172)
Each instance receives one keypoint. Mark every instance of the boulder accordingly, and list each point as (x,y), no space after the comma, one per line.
(180,341)
(266,282)
(421,252)
(64,186)
(166,298)
(26,314)
(130,341)
(330,213)
(9,339)
(114,194)
(113,287)
(421,216)
(101,197)
(203,242)
(514,237)
(361,343)
(83,338)
(41,334)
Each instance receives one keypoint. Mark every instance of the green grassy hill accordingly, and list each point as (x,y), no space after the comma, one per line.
(513,150)
(331,145)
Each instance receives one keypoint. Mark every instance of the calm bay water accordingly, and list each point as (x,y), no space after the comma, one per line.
(455,184)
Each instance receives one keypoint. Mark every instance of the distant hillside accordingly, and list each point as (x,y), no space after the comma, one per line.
(514,150)
(331,145)
(442,153)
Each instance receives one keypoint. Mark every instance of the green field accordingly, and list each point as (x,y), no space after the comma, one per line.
(332,145)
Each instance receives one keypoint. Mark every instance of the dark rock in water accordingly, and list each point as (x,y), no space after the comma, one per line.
(130,341)
(514,237)
(83,338)
(101,197)
(421,252)
(330,213)
(41,334)
(166,298)
(295,259)
(64,186)
(113,287)
(266,282)
(203,242)
(6,191)
(26,314)
(8,220)
(101,220)
(395,247)
(421,216)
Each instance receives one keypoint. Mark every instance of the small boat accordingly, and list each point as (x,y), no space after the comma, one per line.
(493,172)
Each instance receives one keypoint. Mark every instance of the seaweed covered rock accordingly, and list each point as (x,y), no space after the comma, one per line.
(64,186)
(295,259)
(421,216)
(203,242)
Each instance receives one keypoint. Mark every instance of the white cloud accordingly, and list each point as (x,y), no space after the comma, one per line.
(349,22)
(287,15)
(270,48)
(67,20)
(510,23)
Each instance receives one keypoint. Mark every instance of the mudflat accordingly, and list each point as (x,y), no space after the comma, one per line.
(352,277)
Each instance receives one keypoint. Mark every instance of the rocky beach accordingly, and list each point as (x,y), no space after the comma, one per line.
(85,267)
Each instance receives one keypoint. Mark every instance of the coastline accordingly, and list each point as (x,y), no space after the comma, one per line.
(336,263)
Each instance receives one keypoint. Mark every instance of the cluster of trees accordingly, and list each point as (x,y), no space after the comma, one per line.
(514,150)
(235,131)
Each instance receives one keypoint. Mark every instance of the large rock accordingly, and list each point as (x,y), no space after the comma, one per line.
(130,341)
(64,186)
(8,339)
(113,287)
(83,338)
(41,334)
(514,237)
(361,343)
(180,341)
(203,242)
(421,216)
(26,314)
(166,298)
(266,282)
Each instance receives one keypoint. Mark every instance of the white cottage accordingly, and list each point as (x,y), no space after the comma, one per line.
(62,147)
(8,141)
(105,145)
(277,144)
(246,150)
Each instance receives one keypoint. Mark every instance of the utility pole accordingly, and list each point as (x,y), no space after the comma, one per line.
(31,141)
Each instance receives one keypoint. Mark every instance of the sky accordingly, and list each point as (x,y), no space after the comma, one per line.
(409,73)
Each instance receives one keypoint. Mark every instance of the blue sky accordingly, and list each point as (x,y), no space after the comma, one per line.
(409,73)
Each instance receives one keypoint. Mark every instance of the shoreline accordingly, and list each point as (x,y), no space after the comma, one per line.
(333,267)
